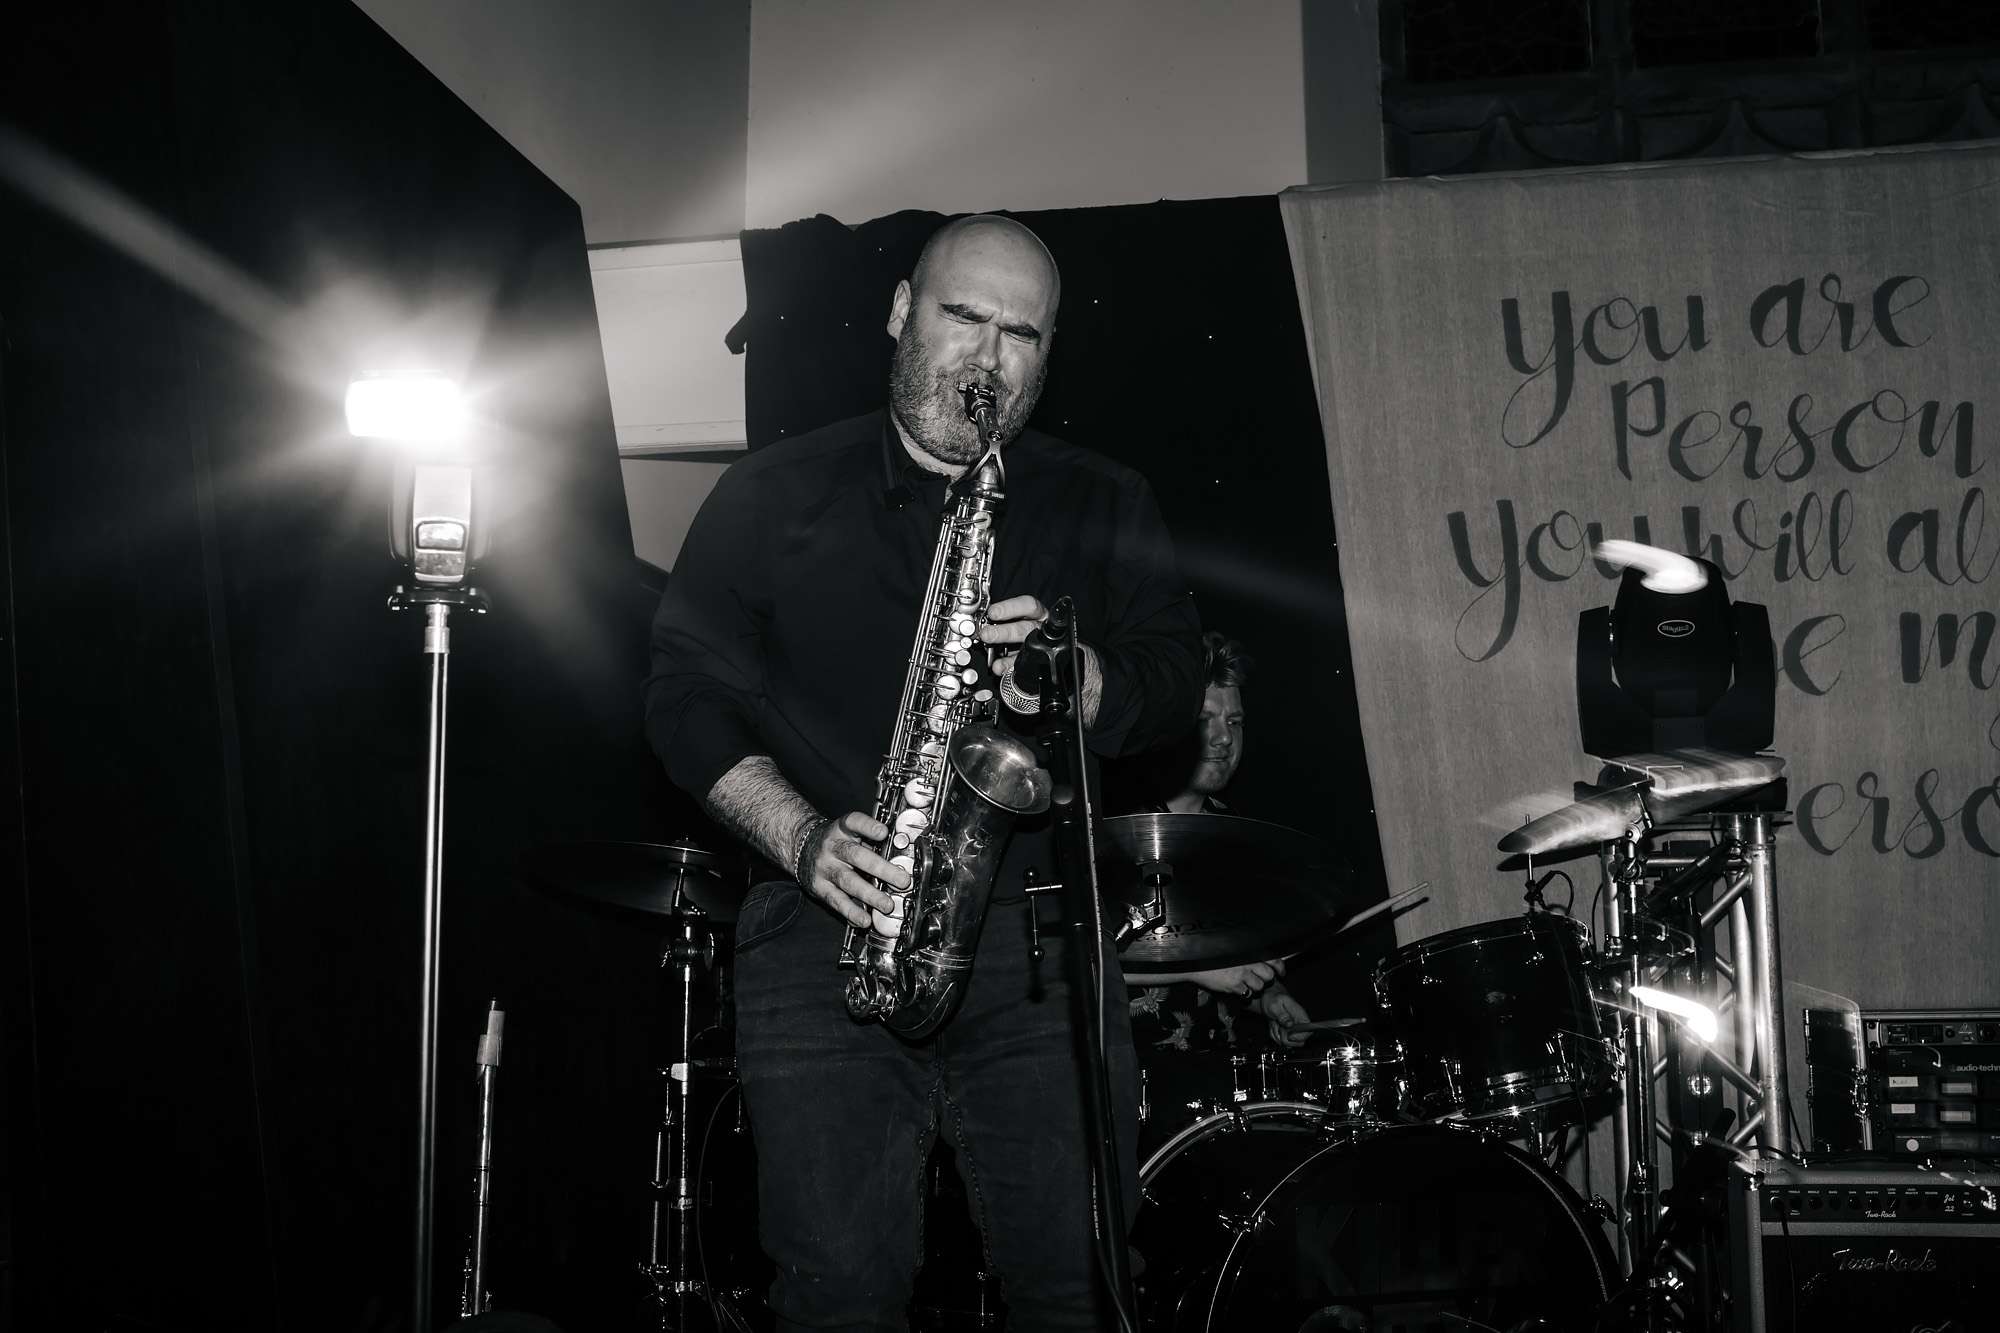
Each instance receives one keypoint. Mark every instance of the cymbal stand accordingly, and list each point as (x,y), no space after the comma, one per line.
(1632,1125)
(671,1263)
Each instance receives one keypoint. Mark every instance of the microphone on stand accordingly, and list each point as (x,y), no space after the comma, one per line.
(1027,675)
(473,1298)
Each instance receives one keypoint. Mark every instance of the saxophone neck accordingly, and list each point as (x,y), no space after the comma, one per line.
(987,478)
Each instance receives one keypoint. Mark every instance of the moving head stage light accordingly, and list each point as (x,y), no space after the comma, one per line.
(1673,664)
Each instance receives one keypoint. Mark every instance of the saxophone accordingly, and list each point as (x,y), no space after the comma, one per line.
(952,783)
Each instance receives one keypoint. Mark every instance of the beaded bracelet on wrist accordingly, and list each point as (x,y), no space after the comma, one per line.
(808,835)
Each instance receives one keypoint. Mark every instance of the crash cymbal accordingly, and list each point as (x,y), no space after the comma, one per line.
(1228,890)
(662,879)
(1602,817)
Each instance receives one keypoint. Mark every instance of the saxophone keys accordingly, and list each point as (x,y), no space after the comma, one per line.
(909,825)
(947,686)
(966,627)
(890,924)
(918,793)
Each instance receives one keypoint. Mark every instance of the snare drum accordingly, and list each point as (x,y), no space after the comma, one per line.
(1497,1019)
(1354,1073)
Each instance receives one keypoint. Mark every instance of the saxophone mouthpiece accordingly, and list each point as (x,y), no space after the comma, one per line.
(982,411)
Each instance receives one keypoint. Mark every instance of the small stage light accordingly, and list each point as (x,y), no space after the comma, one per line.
(1664,571)
(418,407)
(430,511)
(1697,1017)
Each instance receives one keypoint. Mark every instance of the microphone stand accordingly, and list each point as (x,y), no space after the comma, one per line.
(1059,734)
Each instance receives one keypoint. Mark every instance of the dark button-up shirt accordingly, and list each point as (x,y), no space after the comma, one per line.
(787,623)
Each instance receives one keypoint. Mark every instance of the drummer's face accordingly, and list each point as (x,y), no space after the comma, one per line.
(1221,734)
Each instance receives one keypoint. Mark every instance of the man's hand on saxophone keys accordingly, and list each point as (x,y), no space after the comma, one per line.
(835,863)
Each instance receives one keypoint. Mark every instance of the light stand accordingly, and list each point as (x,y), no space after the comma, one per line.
(431,528)
(437,604)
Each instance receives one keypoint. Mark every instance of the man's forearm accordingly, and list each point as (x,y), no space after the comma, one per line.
(755,802)
(1093,685)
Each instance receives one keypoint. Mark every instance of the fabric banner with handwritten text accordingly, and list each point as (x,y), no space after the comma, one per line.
(1786,366)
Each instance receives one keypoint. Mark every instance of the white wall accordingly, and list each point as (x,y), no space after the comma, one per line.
(683,119)
(862,107)
(675,389)
(636,108)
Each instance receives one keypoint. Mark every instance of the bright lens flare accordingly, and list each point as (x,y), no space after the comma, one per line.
(1696,1016)
(419,407)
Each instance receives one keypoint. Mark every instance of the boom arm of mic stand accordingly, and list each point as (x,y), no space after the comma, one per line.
(1060,733)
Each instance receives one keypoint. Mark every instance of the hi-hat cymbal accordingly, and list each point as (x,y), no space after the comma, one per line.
(1694,774)
(662,879)
(1666,787)
(1230,890)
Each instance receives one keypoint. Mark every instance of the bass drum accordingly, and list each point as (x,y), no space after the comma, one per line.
(1264,1218)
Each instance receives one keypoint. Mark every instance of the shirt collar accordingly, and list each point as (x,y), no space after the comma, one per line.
(902,478)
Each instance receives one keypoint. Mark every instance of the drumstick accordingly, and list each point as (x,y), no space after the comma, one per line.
(1369,913)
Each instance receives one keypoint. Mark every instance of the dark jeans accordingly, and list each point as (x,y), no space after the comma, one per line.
(844,1116)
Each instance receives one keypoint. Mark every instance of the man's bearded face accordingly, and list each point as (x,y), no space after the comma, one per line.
(925,392)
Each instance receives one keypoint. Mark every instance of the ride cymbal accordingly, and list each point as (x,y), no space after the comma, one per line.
(1225,890)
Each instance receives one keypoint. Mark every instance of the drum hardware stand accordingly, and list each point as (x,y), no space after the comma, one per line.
(437,603)
(1632,1129)
(1156,876)
(473,1298)
(671,1265)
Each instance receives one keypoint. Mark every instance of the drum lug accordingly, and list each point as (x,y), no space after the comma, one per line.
(1601,1208)
(1243,1224)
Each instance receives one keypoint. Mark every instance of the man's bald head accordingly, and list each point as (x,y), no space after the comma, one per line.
(989,238)
(979,309)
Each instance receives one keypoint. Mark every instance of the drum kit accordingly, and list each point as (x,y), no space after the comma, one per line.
(1397,1170)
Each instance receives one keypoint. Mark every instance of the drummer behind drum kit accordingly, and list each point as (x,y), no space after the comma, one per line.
(1390,1175)
(1396,1172)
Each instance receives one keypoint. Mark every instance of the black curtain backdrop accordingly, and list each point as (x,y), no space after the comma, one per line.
(1179,351)
(214,757)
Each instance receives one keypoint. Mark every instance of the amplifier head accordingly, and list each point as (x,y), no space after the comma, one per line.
(1875,1246)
